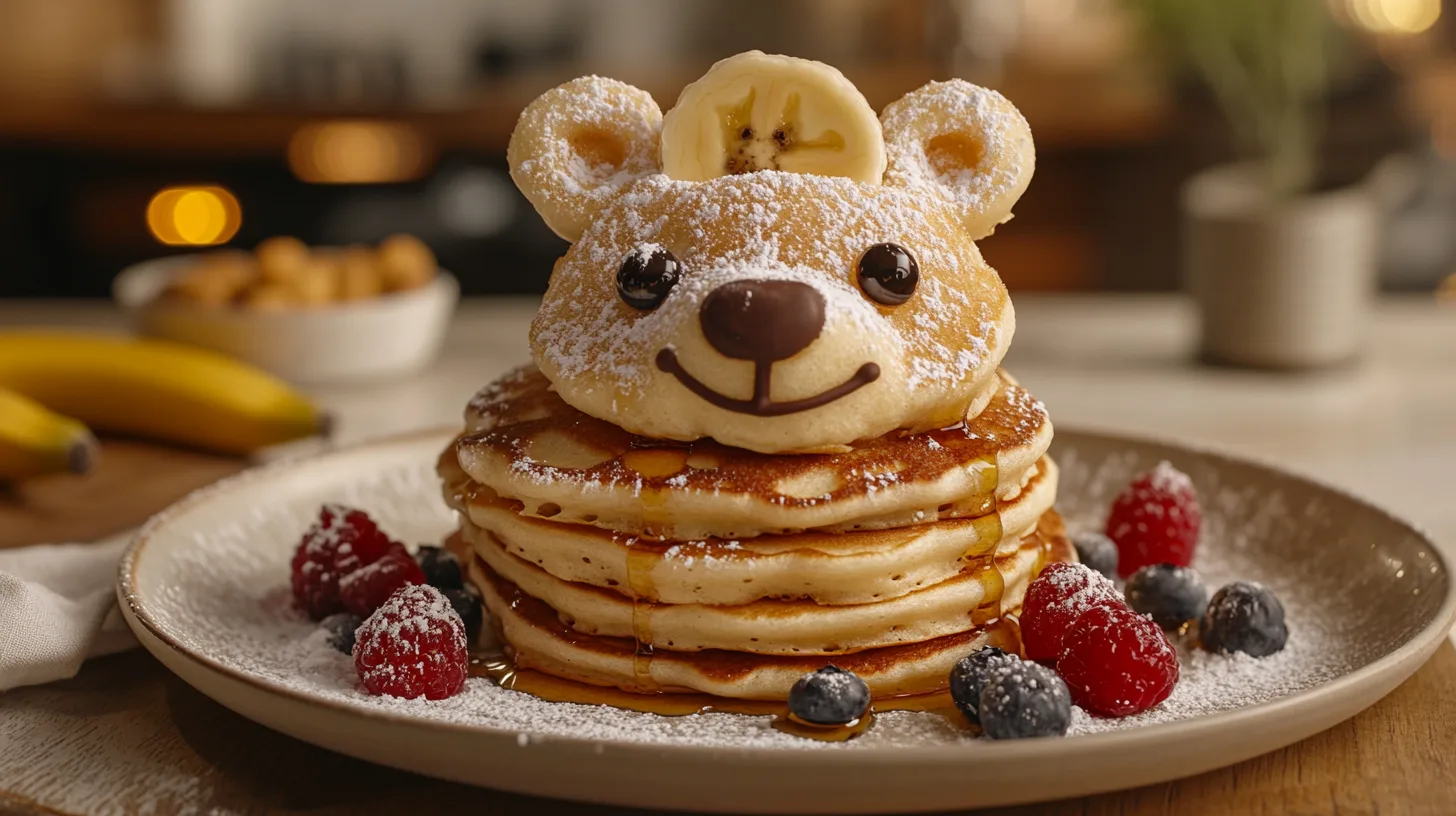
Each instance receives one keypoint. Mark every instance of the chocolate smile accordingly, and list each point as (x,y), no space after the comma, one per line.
(761,404)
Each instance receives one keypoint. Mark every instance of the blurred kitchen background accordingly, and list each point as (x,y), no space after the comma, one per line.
(344,121)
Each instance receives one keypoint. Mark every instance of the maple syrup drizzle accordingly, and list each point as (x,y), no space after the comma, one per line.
(639,579)
(649,464)
(497,667)
(989,528)
(641,557)
(986,489)
(789,724)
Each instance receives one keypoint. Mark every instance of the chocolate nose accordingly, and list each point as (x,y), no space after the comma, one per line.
(762,320)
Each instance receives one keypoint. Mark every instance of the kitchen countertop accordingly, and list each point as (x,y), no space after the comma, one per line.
(125,736)
(1384,429)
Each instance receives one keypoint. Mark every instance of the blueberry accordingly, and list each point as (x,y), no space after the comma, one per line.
(830,696)
(971,674)
(341,628)
(1244,617)
(440,566)
(1096,551)
(468,607)
(1172,595)
(1025,700)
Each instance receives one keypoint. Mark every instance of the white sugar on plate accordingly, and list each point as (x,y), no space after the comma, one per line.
(227,598)
(1211,683)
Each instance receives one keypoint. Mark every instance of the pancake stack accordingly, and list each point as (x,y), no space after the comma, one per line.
(650,565)
(766,427)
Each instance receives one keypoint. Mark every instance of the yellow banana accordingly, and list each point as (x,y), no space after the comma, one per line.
(757,111)
(35,441)
(156,389)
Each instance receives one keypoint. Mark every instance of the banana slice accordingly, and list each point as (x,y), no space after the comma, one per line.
(758,111)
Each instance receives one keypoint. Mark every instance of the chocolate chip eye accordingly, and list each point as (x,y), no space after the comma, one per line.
(648,273)
(888,274)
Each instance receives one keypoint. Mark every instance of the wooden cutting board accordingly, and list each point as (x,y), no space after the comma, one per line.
(131,481)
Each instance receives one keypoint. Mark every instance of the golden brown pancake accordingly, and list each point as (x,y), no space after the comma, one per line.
(526,444)
(540,639)
(830,568)
(770,626)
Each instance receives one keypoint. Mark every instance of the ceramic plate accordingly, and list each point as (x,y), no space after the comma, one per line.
(205,588)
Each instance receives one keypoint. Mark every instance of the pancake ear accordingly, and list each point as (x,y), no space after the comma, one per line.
(579,144)
(964,143)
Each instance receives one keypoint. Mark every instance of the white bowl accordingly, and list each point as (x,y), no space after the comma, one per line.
(349,342)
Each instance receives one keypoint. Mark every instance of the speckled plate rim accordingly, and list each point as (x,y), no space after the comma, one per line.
(1295,717)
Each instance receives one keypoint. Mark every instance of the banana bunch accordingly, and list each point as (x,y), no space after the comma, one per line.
(54,385)
(34,440)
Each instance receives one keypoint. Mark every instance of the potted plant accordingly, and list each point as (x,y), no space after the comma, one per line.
(1281,267)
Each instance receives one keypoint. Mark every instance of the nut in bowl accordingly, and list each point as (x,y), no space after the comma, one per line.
(312,315)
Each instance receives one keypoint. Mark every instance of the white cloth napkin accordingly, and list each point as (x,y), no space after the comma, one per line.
(58,608)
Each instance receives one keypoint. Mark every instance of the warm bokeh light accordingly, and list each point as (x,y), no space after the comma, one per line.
(1394,16)
(357,151)
(194,216)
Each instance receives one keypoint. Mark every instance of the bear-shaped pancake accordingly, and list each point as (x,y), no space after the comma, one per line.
(824,287)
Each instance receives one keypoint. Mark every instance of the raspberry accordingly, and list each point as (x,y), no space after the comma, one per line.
(1054,600)
(341,541)
(1116,662)
(1155,520)
(315,579)
(412,646)
(367,588)
(360,539)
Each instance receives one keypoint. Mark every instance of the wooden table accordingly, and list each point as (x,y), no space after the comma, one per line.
(126,737)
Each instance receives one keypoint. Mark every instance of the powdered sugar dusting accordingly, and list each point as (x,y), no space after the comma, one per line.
(1165,478)
(412,646)
(838,683)
(1077,578)
(642,253)
(703,553)
(1157,498)
(772,225)
(1088,588)
(1213,683)
(983,116)
(225,597)
(547,159)
(1247,528)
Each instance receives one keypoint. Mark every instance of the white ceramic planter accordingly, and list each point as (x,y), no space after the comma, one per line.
(1279,284)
